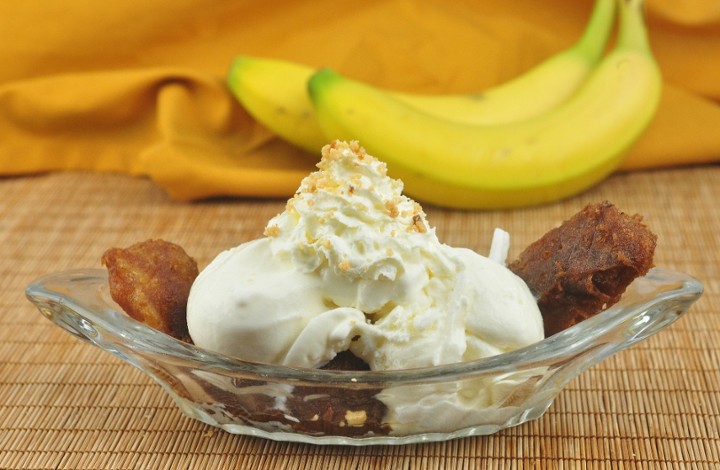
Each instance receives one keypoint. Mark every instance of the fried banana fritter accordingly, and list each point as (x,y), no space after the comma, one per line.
(151,281)
(583,266)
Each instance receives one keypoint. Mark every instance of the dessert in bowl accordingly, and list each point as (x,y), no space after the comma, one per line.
(350,323)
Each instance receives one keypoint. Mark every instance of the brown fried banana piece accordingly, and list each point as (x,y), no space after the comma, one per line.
(151,281)
(583,266)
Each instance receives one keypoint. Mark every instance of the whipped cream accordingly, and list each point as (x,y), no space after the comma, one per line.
(350,225)
(352,263)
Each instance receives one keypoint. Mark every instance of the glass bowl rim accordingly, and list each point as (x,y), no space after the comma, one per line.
(565,344)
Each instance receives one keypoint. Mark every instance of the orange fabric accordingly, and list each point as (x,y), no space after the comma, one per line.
(138,87)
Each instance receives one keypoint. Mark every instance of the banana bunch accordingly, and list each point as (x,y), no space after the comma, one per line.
(550,133)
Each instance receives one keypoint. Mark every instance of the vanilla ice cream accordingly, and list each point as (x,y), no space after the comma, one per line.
(353,264)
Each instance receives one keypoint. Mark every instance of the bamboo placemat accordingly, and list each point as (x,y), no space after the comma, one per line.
(65,404)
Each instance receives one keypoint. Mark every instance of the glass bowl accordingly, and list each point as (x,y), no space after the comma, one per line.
(362,407)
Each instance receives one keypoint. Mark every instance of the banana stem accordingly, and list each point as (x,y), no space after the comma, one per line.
(593,40)
(633,33)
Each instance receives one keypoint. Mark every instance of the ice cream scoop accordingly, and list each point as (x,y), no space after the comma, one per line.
(255,306)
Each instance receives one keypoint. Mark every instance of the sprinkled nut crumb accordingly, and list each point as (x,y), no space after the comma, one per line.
(418,225)
(272,231)
(355,418)
(392,209)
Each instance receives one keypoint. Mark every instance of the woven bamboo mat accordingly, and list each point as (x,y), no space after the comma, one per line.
(65,404)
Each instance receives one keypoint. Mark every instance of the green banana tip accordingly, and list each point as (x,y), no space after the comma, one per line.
(323,72)
(634,3)
(319,79)
(633,32)
(236,65)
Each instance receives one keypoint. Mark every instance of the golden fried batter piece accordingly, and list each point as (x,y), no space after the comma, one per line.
(583,266)
(151,281)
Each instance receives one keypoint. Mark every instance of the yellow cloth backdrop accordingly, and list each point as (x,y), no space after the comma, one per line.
(139,87)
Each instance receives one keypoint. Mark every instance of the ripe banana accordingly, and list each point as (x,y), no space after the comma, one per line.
(544,158)
(274,92)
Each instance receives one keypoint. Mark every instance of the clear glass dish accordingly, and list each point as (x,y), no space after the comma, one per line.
(362,407)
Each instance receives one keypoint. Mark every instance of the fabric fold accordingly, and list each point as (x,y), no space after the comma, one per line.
(140,89)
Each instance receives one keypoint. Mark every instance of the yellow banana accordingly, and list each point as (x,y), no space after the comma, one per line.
(274,92)
(547,157)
